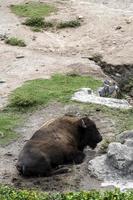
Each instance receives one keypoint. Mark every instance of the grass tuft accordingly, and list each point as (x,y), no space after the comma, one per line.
(8,121)
(69,24)
(15,42)
(32,9)
(34,22)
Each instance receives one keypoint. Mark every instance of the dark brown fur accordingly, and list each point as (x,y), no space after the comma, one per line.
(60,142)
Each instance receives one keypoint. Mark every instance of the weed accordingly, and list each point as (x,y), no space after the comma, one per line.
(38,23)
(69,24)
(35,22)
(104,145)
(15,42)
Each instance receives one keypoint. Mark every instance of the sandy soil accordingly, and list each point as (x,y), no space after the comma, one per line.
(106,29)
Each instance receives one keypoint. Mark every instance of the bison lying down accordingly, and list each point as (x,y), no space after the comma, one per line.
(60,142)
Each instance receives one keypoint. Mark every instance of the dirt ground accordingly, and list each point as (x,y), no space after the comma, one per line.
(77,179)
(106,29)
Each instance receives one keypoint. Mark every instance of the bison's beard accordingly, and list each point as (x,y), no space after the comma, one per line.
(92,145)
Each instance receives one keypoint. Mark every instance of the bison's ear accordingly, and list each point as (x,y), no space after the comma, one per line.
(83,123)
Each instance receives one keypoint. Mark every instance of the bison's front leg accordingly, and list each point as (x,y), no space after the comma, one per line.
(76,156)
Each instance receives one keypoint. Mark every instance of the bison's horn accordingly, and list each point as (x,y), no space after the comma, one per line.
(83,124)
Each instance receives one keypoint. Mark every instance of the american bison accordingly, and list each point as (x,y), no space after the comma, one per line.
(60,142)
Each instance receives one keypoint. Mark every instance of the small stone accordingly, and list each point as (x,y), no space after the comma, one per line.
(34,38)
(118,75)
(128,21)
(118,28)
(19,56)
(8,154)
(37,70)
(2,81)
(14,179)
(98,109)
(80,17)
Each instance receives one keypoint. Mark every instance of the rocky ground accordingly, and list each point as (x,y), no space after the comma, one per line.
(106,30)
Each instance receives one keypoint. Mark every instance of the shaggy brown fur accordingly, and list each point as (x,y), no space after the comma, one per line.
(56,143)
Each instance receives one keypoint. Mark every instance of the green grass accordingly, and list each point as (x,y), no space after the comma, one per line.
(8,121)
(15,42)
(7,193)
(38,23)
(34,22)
(69,24)
(42,91)
(32,9)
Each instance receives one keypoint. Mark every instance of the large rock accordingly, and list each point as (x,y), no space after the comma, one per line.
(120,156)
(117,163)
(126,135)
(85,96)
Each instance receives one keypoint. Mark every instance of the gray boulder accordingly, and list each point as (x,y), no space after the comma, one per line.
(120,156)
(117,163)
(124,136)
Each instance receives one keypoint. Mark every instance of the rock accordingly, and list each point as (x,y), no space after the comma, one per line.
(118,28)
(2,81)
(116,164)
(3,37)
(124,136)
(8,154)
(80,17)
(83,96)
(129,142)
(19,56)
(86,90)
(98,168)
(120,156)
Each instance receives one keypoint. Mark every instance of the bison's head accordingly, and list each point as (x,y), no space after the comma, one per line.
(89,134)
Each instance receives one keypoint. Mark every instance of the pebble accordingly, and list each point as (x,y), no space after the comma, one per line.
(21,56)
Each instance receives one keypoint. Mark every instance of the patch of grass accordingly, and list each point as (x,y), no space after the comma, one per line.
(32,9)
(38,23)
(7,193)
(35,22)
(8,121)
(15,42)
(104,145)
(69,24)
(58,88)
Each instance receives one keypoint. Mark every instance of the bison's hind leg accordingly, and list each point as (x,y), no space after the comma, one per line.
(61,171)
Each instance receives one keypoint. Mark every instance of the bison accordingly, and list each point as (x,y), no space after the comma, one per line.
(59,142)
